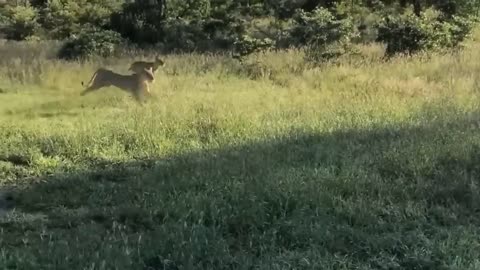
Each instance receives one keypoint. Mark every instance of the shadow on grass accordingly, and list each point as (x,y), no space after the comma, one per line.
(390,198)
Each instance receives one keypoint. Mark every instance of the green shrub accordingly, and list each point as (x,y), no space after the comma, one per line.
(63,18)
(245,45)
(189,9)
(457,30)
(139,22)
(146,24)
(363,17)
(287,8)
(324,35)
(183,35)
(409,33)
(471,7)
(60,18)
(4,19)
(201,35)
(21,22)
(89,43)
(99,12)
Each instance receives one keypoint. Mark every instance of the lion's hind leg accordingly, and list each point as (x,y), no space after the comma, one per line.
(95,86)
(139,97)
(91,89)
(97,81)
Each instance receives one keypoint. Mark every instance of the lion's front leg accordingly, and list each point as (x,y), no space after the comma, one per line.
(139,96)
(147,89)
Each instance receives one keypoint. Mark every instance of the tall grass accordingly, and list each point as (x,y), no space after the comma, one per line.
(269,164)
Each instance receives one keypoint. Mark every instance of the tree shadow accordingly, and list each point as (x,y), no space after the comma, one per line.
(384,197)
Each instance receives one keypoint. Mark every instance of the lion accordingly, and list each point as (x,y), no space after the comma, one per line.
(136,84)
(140,65)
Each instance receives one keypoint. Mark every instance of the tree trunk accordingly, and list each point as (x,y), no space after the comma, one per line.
(163,7)
(417,7)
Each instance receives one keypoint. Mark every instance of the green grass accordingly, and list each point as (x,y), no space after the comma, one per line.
(273,164)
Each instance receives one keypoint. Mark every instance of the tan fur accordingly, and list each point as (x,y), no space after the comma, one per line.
(141,65)
(136,84)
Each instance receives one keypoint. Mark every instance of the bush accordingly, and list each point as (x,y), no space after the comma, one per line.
(201,35)
(4,20)
(183,35)
(470,7)
(189,9)
(363,17)
(245,45)
(430,31)
(139,22)
(324,35)
(89,43)
(285,9)
(63,18)
(146,24)
(457,30)
(21,22)
(60,18)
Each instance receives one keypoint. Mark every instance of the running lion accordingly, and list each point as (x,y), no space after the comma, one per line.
(136,84)
(138,66)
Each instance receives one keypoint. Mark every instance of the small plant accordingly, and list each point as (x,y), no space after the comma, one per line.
(324,35)
(183,35)
(89,43)
(21,22)
(182,30)
(139,22)
(246,45)
(409,33)
(190,9)
(62,18)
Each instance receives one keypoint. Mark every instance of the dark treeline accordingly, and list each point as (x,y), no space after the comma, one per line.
(325,28)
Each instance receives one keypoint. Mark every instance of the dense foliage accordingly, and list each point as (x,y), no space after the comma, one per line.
(325,28)
(409,33)
(89,43)
(324,35)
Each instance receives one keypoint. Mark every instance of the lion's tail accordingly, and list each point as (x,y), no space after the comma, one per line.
(91,80)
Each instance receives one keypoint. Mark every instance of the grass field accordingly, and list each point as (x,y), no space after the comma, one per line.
(272,164)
